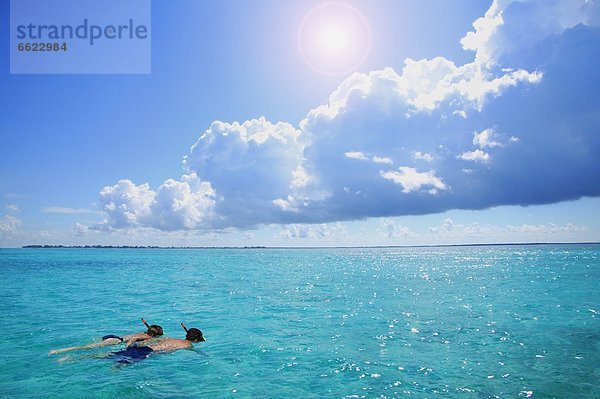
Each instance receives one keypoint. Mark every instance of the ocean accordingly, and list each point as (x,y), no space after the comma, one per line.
(448,322)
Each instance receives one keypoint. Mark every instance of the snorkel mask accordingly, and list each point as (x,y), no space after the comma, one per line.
(193,334)
(153,330)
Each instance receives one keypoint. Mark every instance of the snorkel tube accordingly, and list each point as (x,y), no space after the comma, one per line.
(154,330)
(193,334)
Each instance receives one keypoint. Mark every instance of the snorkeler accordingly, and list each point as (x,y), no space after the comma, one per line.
(192,335)
(108,340)
(141,350)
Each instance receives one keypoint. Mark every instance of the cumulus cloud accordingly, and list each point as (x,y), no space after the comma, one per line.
(176,205)
(249,165)
(512,27)
(516,126)
(477,156)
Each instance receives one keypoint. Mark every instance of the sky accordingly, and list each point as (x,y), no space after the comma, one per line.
(315,123)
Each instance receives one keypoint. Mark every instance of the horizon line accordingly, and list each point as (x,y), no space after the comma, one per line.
(97,246)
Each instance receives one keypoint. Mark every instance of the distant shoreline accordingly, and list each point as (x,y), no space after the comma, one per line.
(300,247)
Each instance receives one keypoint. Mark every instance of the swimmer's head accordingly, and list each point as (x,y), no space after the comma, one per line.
(192,334)
(154,330)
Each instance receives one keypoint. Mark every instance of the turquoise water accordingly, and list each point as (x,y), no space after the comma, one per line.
(456,322)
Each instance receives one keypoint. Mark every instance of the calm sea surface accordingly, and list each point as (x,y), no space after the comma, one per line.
(459,322)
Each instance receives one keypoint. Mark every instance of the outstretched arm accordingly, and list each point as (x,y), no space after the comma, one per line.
(133,338)
(106,342)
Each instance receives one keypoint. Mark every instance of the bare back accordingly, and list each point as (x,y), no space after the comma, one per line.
(170,345)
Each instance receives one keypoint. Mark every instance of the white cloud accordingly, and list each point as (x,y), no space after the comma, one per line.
(422,155)
(392,230)
(299,178)
(185,204)
(285,205)
(323,230)
(250,165)
(512,25)
(476,156)
(423,85)
(468,85)
(411,180)
(485,28)
(462,113)
(126,204)
(258,172)
(382,160)
(366,157)
(8,226)
(80,229)
(486,138)
(496,233)
(176,205)
(356,155)
(548,228)
(446,227)
(12,207)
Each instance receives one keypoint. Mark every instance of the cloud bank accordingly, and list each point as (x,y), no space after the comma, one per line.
(516,126)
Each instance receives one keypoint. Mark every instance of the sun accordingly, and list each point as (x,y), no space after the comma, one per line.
(334,38)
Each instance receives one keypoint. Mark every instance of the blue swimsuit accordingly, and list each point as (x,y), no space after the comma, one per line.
(132,354)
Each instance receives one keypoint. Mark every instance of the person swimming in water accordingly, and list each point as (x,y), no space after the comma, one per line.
(153,331)
(141,350)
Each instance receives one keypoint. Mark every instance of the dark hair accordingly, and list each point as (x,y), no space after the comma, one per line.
(155,331)
(194,335)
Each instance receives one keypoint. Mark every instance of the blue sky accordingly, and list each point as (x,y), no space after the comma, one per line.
(442,136)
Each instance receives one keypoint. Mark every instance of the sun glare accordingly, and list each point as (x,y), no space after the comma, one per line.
(334,38)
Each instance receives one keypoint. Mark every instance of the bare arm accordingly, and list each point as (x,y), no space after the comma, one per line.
(106,342)
(132,338)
